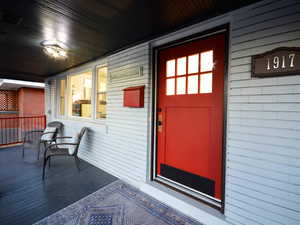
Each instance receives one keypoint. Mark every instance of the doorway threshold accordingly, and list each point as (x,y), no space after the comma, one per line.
(196,195)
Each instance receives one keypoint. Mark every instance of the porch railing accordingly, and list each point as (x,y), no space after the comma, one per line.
(12,129)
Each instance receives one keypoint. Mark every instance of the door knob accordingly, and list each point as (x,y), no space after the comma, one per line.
(159,122)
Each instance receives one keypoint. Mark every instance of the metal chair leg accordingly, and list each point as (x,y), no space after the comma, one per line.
(77,163)
(23,154)
(39,149)
(23,149)
(44,166)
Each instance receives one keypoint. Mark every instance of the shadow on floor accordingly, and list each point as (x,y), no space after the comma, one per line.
(25,198)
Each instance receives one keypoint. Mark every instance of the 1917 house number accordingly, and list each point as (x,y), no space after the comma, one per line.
(281,62)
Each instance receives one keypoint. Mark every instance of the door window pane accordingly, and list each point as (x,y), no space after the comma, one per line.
(181,85)
(193,64)
(101,92)
(181,66)
(206,61)
(171,68)
(193,84)
(206,83)
(170,86)
(80,94)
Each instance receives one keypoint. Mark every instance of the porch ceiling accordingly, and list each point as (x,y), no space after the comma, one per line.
(89,29)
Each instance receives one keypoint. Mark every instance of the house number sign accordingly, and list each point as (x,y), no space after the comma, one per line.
(282,61)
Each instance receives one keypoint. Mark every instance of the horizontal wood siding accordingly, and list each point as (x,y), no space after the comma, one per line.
(263,133)
(50,96)
(118,144)
(263,148)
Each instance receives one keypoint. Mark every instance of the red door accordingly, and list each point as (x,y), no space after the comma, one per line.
(190,114)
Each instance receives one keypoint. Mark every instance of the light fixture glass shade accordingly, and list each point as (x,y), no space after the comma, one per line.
(53,49)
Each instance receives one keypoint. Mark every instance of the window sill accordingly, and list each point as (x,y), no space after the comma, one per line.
(82,119)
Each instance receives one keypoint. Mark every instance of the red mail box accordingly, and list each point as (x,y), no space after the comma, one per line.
(134,96)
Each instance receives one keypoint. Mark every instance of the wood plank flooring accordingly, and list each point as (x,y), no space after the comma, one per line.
(25,198)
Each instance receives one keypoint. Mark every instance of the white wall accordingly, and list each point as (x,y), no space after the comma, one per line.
(263,134)
(117,144)
(263,149)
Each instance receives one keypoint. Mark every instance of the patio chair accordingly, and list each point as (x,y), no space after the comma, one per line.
(47,136)
(64,149)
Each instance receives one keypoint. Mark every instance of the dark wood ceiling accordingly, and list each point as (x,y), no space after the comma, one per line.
(89,29)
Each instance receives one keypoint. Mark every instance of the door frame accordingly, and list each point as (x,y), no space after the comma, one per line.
(201,197)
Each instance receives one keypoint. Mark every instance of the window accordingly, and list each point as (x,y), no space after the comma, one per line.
(62,88)
(183,75)
(79,96)
(80,92)
(101,92)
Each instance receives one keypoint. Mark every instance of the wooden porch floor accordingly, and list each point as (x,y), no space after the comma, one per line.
(25,198)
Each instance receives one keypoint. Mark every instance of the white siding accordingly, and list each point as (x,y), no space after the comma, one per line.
(47,99)
(263,149)
(50,90)
(118,144)
(263,133)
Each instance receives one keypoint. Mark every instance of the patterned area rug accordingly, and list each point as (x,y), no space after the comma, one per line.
(118,204)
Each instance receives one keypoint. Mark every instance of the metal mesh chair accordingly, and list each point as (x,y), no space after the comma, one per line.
(38,134)
(63,149)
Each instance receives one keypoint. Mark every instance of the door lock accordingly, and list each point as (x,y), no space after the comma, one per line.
(159,122)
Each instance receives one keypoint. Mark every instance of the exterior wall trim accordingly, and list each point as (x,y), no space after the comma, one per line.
(202,30)
(198,36)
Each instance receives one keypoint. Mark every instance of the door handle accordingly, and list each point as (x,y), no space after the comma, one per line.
(159,122)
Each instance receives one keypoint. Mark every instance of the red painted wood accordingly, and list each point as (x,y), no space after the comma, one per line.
(134,97)
(192,124)
(12,128)
(44,120)
(31,102)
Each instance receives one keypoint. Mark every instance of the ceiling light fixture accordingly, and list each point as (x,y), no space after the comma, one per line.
(54,49)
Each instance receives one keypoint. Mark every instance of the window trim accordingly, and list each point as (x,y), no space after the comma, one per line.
(58,93)
(93,69)
(95,91)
